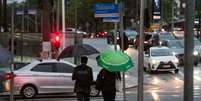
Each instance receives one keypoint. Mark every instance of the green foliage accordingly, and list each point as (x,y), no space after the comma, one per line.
(166,10)
(198,8)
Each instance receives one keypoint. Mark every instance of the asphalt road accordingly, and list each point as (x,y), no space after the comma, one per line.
(162,86)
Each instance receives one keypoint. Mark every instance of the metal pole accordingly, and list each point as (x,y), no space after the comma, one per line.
(122,44)
(22,32)
(141,54)
(12,50)
(36,22)
(63,24)
(188,51)
(115,31)
(58,15)
(172,24)
(76,58)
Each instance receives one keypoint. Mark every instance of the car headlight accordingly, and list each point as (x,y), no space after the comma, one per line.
(195,53)
(118,38)
(153,61)
(176,60)
(174,53)
(160,42)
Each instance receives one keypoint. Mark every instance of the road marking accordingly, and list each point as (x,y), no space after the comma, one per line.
(155,96)
(196,75)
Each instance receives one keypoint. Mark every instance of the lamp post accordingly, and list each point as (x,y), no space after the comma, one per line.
(12,50)
(141,54)
(188,49)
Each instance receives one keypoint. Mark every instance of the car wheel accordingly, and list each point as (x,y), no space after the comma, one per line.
(29,91)
(94,92)
(176,71)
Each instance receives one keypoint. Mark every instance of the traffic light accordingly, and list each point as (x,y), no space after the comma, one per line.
(55,40)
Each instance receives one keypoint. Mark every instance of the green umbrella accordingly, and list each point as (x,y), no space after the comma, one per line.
(114,61)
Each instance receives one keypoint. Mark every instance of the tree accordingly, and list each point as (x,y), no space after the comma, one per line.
(46,6)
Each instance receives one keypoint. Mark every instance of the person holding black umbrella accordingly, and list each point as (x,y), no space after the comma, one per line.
(83,76)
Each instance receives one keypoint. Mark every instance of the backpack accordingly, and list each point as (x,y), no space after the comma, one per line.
(83,77)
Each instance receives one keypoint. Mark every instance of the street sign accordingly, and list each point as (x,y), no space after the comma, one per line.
(19,12)
(46,46)
(111,19)
(32,11)
(105,0)
(106,10)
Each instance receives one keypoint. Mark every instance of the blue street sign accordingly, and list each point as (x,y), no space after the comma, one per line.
(111,19)
(19,12)
(106,10)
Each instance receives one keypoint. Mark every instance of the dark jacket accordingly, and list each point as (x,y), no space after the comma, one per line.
(107,80)
(83,76)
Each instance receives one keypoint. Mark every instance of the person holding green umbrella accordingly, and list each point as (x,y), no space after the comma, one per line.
(107,81)
(113,62)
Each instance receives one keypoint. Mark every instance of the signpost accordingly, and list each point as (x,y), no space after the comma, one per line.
(111,19)
(106,10)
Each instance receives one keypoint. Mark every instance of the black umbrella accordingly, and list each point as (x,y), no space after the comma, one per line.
(5,55)
(78,50)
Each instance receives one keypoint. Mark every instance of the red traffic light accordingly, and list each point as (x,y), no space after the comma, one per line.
(55,40)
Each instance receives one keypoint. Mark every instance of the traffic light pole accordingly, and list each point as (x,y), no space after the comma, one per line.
(122,43)
(141,54)
(12,50)
(172,24)
(63,24)
(115,32)
(188,51)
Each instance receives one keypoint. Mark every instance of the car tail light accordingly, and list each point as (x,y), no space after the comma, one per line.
(8,76)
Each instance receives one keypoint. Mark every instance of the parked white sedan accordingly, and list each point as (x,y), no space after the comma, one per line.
(160,59)
(47,76)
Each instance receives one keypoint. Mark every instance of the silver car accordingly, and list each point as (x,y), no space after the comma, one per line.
(47,76)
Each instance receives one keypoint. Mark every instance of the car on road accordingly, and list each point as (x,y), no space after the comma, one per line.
(45,76)
(178,33)
(160,59)
(149,40)
(165,37)
(197,47)
(101,34)
(177,49)
(6,69)
(196,51)
(73,30)
(131,34)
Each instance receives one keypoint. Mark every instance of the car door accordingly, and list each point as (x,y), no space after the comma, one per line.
(44,77)
(64,82)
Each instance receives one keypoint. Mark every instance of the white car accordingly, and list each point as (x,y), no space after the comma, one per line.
(160,59)
(73,30)
(47,76)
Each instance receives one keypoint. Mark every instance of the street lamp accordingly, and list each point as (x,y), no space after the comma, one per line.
(12,50)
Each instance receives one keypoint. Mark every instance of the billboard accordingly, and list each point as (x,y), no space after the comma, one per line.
(156,4)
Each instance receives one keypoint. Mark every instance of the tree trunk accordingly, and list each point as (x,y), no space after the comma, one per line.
(46,26)
(5,16)
(0,14)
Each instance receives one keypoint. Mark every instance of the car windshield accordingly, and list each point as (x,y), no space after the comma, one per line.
(166,36)
(197,42)
(161,52)
(174,44)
